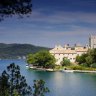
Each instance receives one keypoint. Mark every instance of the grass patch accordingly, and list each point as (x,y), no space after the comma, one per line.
(77,67)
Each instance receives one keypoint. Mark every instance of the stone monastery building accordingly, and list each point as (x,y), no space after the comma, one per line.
(71,52)
(92,41)
(67,52)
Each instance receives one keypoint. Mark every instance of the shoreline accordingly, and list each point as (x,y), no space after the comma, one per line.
(39,68)
(61,70)
(84,71)
(79,71)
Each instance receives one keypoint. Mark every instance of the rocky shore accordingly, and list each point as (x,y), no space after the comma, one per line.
(62,70)
(39,68)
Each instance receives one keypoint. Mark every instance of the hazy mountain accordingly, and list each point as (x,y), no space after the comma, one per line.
(8,51)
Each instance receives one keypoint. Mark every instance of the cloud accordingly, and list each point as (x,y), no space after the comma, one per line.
(45,28)
(61,17)
(60,22)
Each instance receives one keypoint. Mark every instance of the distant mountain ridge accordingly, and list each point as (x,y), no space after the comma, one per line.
(14,51)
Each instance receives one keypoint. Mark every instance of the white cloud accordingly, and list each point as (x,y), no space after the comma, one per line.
(48,29)
(59,17)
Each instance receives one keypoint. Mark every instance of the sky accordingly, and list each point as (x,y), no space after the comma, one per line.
(52,22)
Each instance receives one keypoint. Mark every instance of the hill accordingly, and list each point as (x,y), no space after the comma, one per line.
(13,51)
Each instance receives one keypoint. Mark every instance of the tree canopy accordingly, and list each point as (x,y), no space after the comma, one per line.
(15,7)
(42,58)
(12,83)
(65,62)
(88,59)
(39,88)
(81,59)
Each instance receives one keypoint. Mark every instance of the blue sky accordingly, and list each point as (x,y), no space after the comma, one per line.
(52,22)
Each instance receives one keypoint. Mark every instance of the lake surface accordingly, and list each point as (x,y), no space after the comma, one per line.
(59,83)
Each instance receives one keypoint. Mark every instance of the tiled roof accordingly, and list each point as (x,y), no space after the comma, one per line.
(68,51)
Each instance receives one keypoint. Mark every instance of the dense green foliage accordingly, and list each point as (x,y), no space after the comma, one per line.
(80,67)
(81,59)
(12,83)
(65,62)
(4,84)
(77,67)
(39,88)
(42,58)
(88,59)
(14,51)
(31,59)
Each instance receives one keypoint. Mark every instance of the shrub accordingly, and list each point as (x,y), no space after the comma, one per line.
(93,65)
(65,62)
(77,67)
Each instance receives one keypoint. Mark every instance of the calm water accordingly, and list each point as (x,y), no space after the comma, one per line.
(59,83)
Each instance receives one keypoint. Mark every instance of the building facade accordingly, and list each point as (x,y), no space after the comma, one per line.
(60,52)
(92,41)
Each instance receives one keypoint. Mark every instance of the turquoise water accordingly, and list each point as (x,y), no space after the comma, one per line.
(59,83)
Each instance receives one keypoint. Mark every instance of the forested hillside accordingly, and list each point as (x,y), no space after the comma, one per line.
(12,51)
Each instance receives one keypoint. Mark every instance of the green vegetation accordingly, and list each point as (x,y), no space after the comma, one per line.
(58,67)
(39,88)
(65,62)
(42,59)
(81,59)
(76,67)
(88,59)
(12,83)
(79,67)
(14,51)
